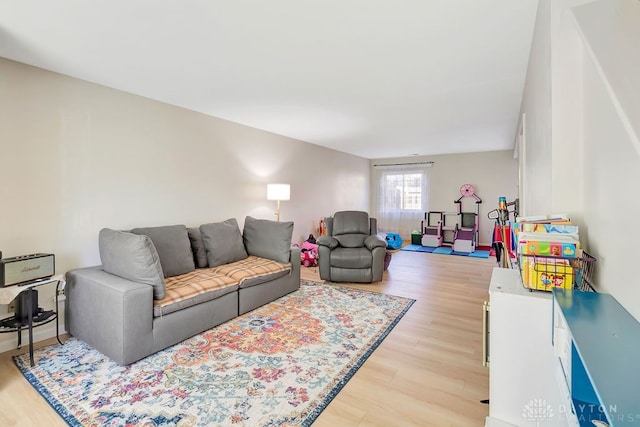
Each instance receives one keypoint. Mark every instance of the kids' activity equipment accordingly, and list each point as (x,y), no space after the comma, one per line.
(440,229)
(432,232)
(456,229)
(466,237)
(502,233)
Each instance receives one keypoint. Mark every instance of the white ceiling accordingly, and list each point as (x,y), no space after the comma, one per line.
(375,78)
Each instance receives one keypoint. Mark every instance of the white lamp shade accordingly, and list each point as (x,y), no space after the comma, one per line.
(278,191)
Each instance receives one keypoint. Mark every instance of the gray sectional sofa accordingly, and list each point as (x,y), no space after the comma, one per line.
(158,286)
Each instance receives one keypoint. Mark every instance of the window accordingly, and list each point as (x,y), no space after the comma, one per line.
(400,197)
(404,191)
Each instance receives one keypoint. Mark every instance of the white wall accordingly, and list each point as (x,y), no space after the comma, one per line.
(492,173)
(77,157)
(552,156)
(610,31)
(566,113)
(594,159)
(536,104)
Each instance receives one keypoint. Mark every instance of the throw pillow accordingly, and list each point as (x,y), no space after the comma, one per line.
(173,246)
(197,247)
(131,257)
(223,242)
(268,239)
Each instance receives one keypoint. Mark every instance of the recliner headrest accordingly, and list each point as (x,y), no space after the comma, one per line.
(350,222)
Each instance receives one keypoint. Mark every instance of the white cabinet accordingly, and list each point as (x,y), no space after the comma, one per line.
(523,389)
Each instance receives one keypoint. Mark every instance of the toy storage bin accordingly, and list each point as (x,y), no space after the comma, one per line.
(584,267)
(545,273)
(416,238)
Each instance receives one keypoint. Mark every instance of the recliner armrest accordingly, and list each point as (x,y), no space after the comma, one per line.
(327,241)
(372,242)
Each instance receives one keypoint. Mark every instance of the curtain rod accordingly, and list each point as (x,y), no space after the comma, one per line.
(405,164)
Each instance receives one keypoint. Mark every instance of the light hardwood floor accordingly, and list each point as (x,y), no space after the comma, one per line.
(427,372)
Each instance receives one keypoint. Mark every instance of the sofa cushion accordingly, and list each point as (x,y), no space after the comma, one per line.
(223,242)
(133,257)
(268,239)
(197,247)
(193,288)
(351,258)
(173,246)
(253,270)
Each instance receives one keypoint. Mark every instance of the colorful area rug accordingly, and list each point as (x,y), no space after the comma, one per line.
(279,365)
(480,252)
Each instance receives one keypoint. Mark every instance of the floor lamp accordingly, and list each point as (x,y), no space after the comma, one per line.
(278,192)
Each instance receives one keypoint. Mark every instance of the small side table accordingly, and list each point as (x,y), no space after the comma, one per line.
(13,324)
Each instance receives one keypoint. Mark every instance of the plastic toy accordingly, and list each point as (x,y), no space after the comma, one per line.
(394,241)
(466,237)
(309,252)
(456,229)
(432,232)
(309,258)
(450,228)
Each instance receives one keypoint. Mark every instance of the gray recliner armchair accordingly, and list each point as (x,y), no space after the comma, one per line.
(351,251)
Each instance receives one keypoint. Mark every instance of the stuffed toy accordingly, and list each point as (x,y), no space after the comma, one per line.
(394,241)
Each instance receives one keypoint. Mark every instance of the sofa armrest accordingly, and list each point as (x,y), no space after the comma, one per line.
(328,241)
(372,242)
(112,314)
(294,258)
